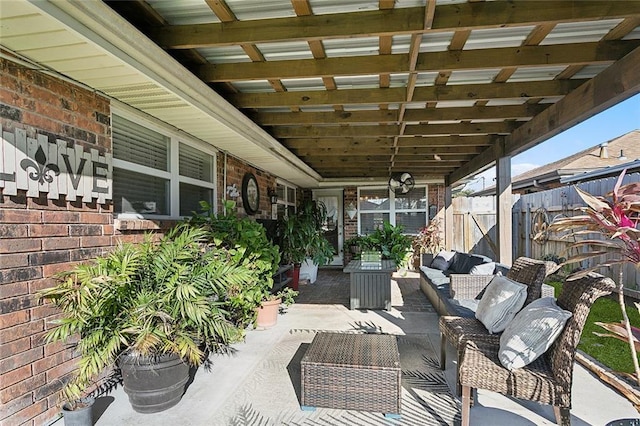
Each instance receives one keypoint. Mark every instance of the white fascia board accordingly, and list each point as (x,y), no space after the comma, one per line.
(99,24)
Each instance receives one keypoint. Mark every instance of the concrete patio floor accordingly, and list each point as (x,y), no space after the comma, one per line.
(324,305)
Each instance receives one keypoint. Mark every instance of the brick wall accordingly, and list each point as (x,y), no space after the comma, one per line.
(236,170)
(39,237)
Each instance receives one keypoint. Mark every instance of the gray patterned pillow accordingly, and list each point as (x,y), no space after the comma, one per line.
(532,332)
(442,260)
(502,300)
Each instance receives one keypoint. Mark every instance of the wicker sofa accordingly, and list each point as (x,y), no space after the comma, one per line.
(455,291)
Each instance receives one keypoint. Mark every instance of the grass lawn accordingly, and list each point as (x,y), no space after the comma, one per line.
(611,352)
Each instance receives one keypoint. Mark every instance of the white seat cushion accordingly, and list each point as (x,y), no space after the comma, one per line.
(502,299)
(532,332)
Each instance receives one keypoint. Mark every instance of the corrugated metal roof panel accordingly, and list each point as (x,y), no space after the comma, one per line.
(319,108)
(536,73)
(344,47)
(357,82)
(453,104)
(590,71)
(433,42)
(224,54)
(184,12)
(473,76)
(285,50)
(633,35)
(253,86)
(492,38)
(580,32)
(506,102)
(260,9)
(297,84)
(415,105)
(323,7)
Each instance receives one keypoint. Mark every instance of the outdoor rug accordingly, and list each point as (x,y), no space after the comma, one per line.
(271,393)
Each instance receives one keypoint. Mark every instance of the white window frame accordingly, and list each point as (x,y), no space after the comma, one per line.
(392,206)
(285,201)
(173,176)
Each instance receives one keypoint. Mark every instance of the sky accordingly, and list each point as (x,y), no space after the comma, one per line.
(609,124)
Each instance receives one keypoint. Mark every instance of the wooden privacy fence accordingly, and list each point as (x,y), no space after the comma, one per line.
(532,213)
(474,224)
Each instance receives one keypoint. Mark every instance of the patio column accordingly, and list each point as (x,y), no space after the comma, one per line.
(503,210)
(448,216)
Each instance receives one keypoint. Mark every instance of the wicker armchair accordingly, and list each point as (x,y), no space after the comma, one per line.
(457,330)
(548,379)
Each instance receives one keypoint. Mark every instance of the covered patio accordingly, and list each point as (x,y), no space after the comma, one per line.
(257,385)
(118,118)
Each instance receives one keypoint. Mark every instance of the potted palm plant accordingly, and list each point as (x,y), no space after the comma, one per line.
(247,244)
(152,308)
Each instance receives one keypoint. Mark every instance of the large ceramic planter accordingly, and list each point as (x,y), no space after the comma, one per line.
(268,313)
(309,271)
(79,416)
(153,383)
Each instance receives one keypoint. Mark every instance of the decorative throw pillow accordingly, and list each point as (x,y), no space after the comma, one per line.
(502,300)
(483,269)
(443,260)
(532,332)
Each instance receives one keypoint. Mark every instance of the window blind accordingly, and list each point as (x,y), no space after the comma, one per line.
(195,163)
(137,144)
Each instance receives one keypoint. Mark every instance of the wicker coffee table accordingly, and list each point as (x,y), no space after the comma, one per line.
(352,372)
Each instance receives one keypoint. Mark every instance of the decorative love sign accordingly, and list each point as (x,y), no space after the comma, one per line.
(35,165)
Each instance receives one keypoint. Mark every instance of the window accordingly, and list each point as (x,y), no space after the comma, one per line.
(379,205)
(157,172)
(286,199)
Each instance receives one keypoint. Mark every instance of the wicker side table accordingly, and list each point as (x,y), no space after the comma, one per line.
(352,372)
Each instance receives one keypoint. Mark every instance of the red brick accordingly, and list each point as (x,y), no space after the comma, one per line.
(55,347)
(48,416)
(44,311)
(15,406)
(95,241)
(60,217)
(13,231)
(17,346)
(48,230)
(15,376)
(55,268)
(21,359)
(58,358)
(19,245)
(96,218)
(49,257)
(28,413)
(21,388)
(20,331)
(60,243)
(37,285)
(19,274)
(20,216)
(85,230)
(14,260)
(61,369)
(14,289)
(108,230)
(14,318)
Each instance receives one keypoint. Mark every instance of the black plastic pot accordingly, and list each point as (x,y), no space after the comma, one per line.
(153,384)
(81,415)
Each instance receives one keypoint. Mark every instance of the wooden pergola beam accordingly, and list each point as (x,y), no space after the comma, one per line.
(533,89)
(465,16)
(613,85)
(522,56)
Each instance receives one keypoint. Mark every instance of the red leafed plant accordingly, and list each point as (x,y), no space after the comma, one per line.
(615,219)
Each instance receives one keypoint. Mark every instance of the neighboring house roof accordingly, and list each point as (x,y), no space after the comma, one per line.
(603,155)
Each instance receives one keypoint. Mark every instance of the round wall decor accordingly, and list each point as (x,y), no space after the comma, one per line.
(250,194)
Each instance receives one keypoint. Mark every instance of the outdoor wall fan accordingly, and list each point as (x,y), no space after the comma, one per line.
(401,183)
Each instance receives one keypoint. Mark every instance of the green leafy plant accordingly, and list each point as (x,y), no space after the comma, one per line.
(614,218)
(353,245)
(301,235)
(247,244)
(390,241)
(146,299)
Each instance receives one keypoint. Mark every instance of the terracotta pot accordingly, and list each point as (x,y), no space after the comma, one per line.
(268,313)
